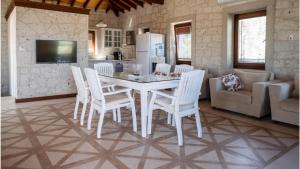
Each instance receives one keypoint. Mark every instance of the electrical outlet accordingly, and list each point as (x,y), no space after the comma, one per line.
(291,37)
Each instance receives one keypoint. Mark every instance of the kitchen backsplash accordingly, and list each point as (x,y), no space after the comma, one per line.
(128,51)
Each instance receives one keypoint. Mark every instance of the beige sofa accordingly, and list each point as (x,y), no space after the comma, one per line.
(251,100)
(205,85)
(284,99)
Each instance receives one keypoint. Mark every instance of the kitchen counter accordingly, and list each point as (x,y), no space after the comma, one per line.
(127,64)
(95,59)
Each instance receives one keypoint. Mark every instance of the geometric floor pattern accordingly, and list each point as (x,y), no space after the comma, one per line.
(47,137)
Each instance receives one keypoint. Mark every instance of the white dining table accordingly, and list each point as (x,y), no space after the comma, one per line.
(143,85)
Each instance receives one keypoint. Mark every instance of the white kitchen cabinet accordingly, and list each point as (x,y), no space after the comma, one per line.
(111,38)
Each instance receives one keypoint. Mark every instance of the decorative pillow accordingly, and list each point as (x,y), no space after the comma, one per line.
(175,74)
(232,82)
(160,73)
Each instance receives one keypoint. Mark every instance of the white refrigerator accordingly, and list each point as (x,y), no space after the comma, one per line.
(150,49)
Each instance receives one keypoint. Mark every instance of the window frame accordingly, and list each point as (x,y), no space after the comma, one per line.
(176,52)
(236,63)
(93,41)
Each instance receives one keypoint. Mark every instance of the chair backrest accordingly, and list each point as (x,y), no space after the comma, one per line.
(189,87)
(79,81)
(163,68)
(94,83)
(104,68)
(183,68)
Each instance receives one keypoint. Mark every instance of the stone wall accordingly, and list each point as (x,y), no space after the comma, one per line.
(209,33)
(286,38)
(4,50)
(112,22)
(34,80)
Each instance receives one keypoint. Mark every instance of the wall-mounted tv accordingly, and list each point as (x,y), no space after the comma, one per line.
(56,51)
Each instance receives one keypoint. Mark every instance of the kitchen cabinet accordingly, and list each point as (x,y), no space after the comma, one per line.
(111,38)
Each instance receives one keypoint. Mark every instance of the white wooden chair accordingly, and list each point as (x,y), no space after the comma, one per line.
(103,102)
(82,93)
(183,103)
(163,68)
(104,68)
(107,69)
(178,69)
(183,68)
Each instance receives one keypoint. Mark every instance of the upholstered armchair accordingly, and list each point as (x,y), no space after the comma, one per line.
(251,100)
(205,85)
(284,99)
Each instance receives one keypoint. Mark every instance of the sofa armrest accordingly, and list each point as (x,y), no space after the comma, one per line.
(260,95)
(259,92)
(280,91)
(215,85)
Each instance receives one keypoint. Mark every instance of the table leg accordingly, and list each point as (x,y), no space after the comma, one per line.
(144,112)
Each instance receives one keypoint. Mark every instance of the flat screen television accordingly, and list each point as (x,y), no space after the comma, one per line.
(56,51)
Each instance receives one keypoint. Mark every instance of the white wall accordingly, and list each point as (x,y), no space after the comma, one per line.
(11,26)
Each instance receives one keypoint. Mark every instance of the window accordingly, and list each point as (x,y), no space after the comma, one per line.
(117,39)
(250,40)
(92,51)
(108,38)
(183,43)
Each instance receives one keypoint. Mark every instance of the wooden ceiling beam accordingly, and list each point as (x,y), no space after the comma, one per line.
(116,12)
(98,5)
(138,2)
(120,5)
(129,3)
(45,6)
(148,1)
(115,7)
(86,3)
(107,9)
(161,2)
(72,2)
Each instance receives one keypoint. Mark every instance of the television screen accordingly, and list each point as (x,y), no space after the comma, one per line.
(56,51)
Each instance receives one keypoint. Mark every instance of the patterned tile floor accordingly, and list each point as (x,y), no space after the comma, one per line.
(46,136)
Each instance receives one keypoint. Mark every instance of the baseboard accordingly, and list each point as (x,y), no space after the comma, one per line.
(33,99)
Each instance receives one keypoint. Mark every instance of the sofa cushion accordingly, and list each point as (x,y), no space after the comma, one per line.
(232,82)
(249,77)
(291,105)
(241,96)
(295,92)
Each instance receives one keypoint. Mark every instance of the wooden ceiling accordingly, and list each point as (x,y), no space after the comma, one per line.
(117,6)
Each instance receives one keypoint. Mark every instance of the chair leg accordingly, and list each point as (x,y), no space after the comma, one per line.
(83,112)
(133,112)
(169,118)
(198,123)
(173,120)
(179,129)
(114,115)
(90,116)
(100,123)
(119,115)
(76,108)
